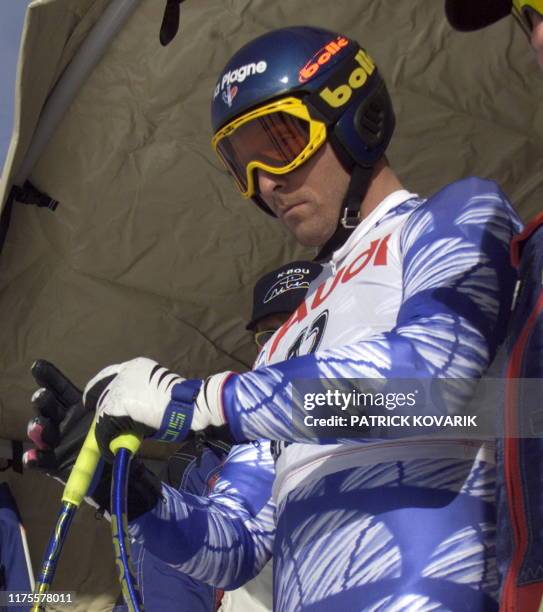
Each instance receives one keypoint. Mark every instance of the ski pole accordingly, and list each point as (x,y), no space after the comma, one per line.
(74,491)
(124,448)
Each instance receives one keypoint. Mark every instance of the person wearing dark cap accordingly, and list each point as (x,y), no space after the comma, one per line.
(277,295)
(519,459)
(470,15)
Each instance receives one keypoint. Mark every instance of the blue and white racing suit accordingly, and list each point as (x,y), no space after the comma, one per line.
(421,289)
(193,470)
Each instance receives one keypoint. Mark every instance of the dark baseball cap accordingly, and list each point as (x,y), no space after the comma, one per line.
(469,15)
(282,290)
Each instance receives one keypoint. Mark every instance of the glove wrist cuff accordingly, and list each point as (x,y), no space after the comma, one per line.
(177,418)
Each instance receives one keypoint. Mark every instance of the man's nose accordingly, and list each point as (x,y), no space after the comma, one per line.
(268,183)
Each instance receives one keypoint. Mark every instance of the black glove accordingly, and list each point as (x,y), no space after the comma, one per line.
(58,432)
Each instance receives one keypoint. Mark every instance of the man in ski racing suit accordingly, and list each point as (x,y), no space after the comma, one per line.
(411,288)
(520,449)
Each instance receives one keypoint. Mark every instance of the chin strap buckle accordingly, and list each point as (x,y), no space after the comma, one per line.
(350,218)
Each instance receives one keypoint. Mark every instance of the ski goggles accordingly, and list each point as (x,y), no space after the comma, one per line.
(262,337)
(521,11)
(276,138)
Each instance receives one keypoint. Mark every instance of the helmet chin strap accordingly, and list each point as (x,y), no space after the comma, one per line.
(349,216)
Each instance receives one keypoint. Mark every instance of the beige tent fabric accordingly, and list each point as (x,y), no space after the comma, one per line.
(133,170)
(53,30)
(151,250)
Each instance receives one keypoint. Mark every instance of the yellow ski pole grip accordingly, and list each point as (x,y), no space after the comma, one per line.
(129,440)
(83,470)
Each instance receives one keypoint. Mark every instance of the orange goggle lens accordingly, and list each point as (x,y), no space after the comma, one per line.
(274,140)
(262,337)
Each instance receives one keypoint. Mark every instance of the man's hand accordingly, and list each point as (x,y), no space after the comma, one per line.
(58,432)
(147,398)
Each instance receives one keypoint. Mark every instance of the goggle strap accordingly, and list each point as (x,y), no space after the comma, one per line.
(322,111)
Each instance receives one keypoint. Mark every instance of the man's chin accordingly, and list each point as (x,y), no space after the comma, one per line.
(310,237)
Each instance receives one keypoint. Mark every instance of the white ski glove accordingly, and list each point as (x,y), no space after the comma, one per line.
(142,396)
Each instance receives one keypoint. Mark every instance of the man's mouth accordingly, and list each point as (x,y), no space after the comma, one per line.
(286,210)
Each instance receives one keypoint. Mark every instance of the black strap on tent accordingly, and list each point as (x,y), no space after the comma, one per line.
(170,21)
(5,219)
(27,194)
(16,461)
